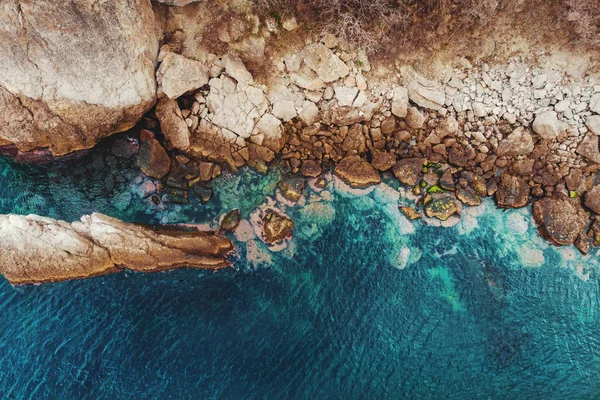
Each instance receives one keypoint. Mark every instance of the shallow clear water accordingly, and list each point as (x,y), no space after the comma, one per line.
(362,305)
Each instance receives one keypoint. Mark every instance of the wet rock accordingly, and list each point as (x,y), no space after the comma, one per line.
(400,102)
(276,226)
(38,249)
(152,158)
(592,199)
(547,125)
(203,191)
(559,219)
(73,73)
(388,125)
(172,124)
(447,180)
(518,143)
(382,160)
(584,243)
(513,192)
(311,168)
(523,167)
(588,148)
(177,75)
(468,197)
(441,208)
(291,187)
(355,140)
(407,170)
(410,212)
(357,172)
(461,156)
(574,179)
(230,221)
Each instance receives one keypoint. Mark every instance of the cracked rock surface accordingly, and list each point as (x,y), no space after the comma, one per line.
(74,72)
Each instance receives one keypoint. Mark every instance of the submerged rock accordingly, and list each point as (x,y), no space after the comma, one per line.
(357,172)
(38,249)
(410,212)
(276,226)
(407,170)
(442,208)
(231,220)
(560,219)
(152,158)
(291,187)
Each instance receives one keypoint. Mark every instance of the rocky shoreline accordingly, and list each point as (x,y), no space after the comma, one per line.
(523,130)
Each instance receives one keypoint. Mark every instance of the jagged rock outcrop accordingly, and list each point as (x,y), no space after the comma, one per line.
(36,249)
(74,72)
(560,219)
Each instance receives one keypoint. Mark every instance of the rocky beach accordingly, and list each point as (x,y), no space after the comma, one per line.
(519,127)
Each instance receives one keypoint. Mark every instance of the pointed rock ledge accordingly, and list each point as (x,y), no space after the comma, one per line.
(36,249)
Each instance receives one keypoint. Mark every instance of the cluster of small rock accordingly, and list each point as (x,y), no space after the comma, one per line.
(509,131)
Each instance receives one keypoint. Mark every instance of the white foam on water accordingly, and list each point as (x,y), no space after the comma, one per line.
(244,231)
(257,255)
(516,222)
(385,194)
(343,189)
(530,255)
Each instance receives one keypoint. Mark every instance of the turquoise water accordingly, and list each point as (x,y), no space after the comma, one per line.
(361,305)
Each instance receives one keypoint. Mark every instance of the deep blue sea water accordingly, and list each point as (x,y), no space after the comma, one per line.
(361,305)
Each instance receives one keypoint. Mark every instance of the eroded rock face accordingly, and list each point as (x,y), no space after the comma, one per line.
(74,72)
(560,219)
(38,249)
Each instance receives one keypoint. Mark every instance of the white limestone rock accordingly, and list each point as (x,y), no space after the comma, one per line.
(547,125)
(424,92)
(345,95)
(325,63)
(593,123)
(177,75)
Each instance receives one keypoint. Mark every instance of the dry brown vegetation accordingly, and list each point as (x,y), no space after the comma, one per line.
(401,25)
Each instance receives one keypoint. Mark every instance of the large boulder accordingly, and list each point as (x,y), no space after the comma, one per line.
(560,219)
(74,72)
(592,199)
(37,249)
(357,172)
(407,170)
